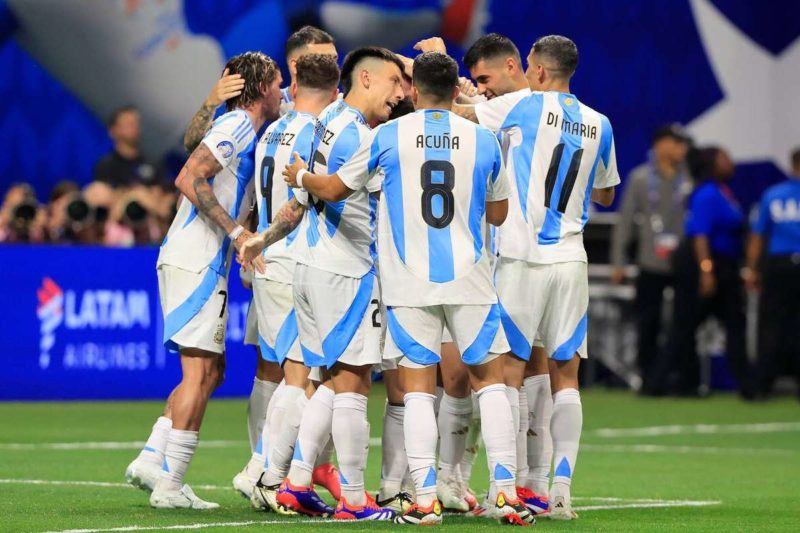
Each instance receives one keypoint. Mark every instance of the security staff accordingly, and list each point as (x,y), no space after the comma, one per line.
(773,265)
(653,206)
(707,264)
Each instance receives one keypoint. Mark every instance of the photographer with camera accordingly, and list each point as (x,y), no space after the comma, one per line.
(22,219)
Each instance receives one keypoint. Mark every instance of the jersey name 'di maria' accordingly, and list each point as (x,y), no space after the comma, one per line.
(193,242)
(439,171)
(293,132)
(339,237)
(558,150)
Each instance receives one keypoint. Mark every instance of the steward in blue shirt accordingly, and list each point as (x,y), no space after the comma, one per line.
(707,278)
(773,266)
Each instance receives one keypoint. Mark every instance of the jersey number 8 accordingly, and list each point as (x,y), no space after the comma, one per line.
(444,190)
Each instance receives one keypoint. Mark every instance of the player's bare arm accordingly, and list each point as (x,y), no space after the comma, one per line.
(193,183)
(228,86)
(286,219)
(328,187)
(466,111)
(603,197)
(496,212)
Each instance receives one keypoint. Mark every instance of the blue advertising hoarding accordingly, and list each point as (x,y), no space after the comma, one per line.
(85,322)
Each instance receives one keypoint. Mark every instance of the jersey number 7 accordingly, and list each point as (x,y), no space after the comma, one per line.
(444,190)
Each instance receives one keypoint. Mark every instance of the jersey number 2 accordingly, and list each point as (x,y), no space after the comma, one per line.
(267,170)
(569,180)
(444,190)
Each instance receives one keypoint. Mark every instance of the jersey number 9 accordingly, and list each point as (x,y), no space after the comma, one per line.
(444,190)
(267,170)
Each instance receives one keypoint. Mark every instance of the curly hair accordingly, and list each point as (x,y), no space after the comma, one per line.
(258,71)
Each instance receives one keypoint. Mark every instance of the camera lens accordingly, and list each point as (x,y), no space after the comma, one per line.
(24,212)
(100,213)
(78,211)
(135,213)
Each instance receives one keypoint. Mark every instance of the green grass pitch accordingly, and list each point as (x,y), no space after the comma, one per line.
(739,471)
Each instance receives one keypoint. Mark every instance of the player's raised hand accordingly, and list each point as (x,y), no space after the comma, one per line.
(432,44)
(228,86)
(290,172)
(466,87)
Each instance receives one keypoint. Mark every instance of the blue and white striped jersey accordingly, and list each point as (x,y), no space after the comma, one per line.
(340,236)
(193,242)
(559,149)
(439,172)
(293,132)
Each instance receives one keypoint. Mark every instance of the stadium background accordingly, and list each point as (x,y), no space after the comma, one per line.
(722,67)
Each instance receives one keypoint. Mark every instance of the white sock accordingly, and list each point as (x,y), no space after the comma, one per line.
(522,438)
(257,409)
(420,432)
(453,419)
(394,462)
(325,456)
(285,424)
(153,451)
(351,439)
(566,430)
(180,449)
(497,428)
(473,441)
(315,428)
(540,443)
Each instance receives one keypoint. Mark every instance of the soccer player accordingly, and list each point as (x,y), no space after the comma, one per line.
(315,87)
(306,40)
(193,264)
(444,181)
(334,287)
(563,156)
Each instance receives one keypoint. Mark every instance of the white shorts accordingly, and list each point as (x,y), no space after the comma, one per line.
(251,325)
(195,308)
(277,323)
(338,317)
(415,333)
(546,303)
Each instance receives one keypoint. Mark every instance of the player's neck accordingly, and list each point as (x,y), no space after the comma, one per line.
(127,150)
(313,106)
(359,102)
(519,83)
(555,85)
(424,103)
(256,116)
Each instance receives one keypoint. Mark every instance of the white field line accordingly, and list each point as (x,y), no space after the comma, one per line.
(106,445)
(637,504)
(696,429)
(700,450)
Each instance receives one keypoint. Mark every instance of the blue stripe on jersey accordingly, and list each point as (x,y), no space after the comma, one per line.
(263,223)
(604,154)
(440,244)
(226,117)
(526,115)
(186,311)
(479,349)
(566,351)
(410,347)
(267,353)
(286,337)
(393,186)
(344,147)
(240,137)
(485,158)
(551,228)
(312,233)
(516,339)
(191,217)
(240,128)
(338,339)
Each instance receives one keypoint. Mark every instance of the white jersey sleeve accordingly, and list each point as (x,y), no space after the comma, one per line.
(497,186)
(492,113)
(227,137)
(359,171)
(607,174)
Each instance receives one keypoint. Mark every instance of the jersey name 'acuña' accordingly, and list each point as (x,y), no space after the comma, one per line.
(293,132)
(340,236)
(194,242)
(559,149)
(439,172)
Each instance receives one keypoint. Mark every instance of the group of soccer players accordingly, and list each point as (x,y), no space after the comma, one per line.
(412,223)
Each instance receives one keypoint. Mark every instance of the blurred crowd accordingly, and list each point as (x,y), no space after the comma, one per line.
(693,238)
(129,202)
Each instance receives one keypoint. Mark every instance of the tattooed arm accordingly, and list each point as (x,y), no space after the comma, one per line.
(465,111)
(285,220)
(193,183)
(228,86)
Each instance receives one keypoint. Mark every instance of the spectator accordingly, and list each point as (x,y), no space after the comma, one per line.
(707,278)
(653,202)
(773,262)
(133,218)
(22,219)
(125,166)
(101,198)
